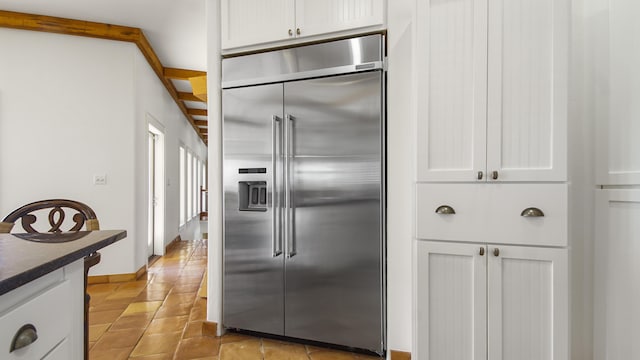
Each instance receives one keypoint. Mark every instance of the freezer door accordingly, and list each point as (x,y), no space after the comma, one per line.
(253,263)
(333,275)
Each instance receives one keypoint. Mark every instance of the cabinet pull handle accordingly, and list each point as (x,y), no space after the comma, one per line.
(532,212)
(298,31)
(445,210)
(494,175)
(496,252)
(480,175)
(482,251)
(25,336)
(290,32)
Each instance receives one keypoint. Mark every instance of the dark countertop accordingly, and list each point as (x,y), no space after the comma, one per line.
(22,261)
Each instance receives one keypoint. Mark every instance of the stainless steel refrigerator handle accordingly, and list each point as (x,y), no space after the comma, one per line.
(276,243)
(291,251)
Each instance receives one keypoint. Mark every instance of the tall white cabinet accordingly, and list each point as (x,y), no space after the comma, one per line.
(617,227)
(492,191)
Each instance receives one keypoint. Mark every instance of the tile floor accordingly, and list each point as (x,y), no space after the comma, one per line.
(162,318)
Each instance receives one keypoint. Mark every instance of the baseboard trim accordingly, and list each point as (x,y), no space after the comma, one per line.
(172,244)
(117,278)
(400,355)
(209,329)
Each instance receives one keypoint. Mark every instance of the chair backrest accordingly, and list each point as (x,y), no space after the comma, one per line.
(84,215)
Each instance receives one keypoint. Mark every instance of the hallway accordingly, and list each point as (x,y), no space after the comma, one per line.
(162,318)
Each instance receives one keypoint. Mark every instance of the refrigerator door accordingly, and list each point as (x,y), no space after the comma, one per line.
(253,263)
(333,289)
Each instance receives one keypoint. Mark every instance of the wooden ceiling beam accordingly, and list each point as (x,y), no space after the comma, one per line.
(50,24)
(199,112)
(202,123)
(182,74)
(186,96)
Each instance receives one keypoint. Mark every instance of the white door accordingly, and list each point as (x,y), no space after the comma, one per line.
(249,22)
(527,96)
(451,301)
(452,89)
(617,275)
(152,194)
(315,17)
(528,303)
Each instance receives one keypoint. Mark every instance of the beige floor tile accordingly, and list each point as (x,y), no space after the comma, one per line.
(233,337)
(153,357)
(193,329)
(167,325)
(111,354)
(157,344)
(197,347)
(331,355)
(118,339)
(95,331)
(103,317)
(139,321)
(173,310)
(285,352)
(241,350)
(142,307)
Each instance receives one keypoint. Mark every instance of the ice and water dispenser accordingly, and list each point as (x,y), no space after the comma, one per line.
(252,195)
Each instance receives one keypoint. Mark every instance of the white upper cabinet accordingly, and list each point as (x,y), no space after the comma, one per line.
(618,155)
(247,22)
(492,90)
(255,22)
(452,85)
(314,17)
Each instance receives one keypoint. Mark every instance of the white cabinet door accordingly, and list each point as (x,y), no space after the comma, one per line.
(452,88)
(527,96)
(451,301)
(617,136)
(528,303)
(617,270)
(315,17)
(249,22)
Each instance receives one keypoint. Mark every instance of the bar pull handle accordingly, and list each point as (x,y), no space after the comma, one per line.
(445,210)
(494,175)
(289,201)
(276,242)
(496,252)
(480,175)
(298,32)
(482,251)
(532,212)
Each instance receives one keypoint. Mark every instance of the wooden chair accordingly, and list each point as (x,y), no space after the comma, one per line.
(84,216)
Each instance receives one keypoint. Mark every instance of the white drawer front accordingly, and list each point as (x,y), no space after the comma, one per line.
(49,312)
(61,352)
(491,213)
(508,226)
(469,201)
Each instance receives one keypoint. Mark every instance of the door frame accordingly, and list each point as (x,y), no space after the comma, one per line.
(155,127)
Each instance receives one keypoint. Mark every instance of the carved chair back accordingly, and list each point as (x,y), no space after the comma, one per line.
(84,215)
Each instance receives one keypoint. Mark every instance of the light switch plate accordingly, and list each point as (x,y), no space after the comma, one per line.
(100,179)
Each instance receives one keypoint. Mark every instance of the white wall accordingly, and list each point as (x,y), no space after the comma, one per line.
(73,107)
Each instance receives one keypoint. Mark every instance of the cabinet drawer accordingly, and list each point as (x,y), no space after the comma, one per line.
(507,225)
(469,201)
(51,315)
(492,213)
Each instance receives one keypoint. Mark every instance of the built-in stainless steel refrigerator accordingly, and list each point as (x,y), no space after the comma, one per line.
(303,175)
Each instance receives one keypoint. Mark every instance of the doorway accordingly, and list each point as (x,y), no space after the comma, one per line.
(156,189)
